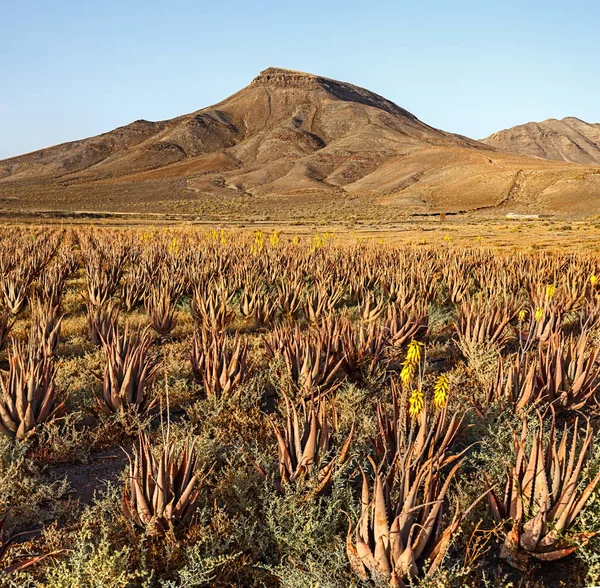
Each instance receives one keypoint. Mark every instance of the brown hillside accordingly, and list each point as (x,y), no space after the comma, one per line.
(569,139)
(291,142)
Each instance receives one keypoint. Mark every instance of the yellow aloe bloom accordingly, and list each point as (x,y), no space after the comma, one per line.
(408,372)
(522,315)
(593,280)
(173,246)
(448,238)
(550,290)
(295,240)
(259,241)
(317,242)
(440,391)
(539,314)
(274,238)
(416,402)
(413,355)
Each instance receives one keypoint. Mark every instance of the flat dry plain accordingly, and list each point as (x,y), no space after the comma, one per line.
(549,233)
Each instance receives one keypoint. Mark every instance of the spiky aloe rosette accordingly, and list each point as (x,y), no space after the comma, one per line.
(29,397)
(542,496)
(161,491)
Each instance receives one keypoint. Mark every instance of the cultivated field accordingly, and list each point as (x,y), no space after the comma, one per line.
(182,406)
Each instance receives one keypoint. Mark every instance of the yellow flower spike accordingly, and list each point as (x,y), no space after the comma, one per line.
(550,291)
(448,238)
(593,280)
(440,391)
(295,240)
(407,373)
(416,403)
(274,238)
(317,242)
(259,241)
(413,355)
(522,315)
(539,314)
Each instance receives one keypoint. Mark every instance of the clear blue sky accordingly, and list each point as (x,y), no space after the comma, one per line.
(74,68)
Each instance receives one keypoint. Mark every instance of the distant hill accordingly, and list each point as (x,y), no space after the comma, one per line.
(291,143)
(569,139)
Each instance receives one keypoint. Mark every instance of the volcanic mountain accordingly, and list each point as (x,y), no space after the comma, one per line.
(294,144)
(569,139)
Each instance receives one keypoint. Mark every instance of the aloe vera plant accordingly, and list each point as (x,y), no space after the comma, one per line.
(395,538)
(15,286)
(569,375)
(45,326)
(566,376)
(542,497)
(305,447)
(218,363)
(29,397)
(129,372)
(484,321)
(414,441)
(405,321)
(311,359)
(161,307)
(101,319)
(160,492)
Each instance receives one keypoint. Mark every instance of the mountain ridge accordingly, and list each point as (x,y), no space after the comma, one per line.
(569,139)
(286,138)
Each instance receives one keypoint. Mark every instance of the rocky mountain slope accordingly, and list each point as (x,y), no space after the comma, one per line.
(289,141)
(569,139)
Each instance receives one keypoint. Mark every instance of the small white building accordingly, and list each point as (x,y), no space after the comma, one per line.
(517,216)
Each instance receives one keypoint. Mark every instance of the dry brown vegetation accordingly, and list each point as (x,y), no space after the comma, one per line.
(295,411)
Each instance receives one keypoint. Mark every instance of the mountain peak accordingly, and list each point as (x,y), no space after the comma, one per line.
(280,78)
(279,75)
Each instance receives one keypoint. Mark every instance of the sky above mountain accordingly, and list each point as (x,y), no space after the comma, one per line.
(73,69)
